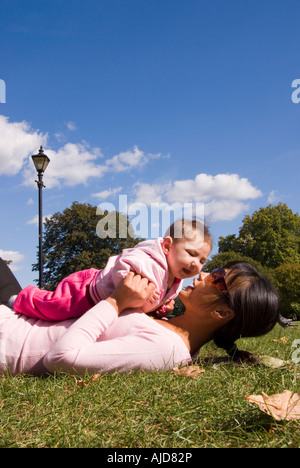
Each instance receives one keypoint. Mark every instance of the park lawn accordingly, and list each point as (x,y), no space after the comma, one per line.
(155,410)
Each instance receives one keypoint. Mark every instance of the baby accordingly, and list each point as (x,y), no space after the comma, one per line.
(165,261)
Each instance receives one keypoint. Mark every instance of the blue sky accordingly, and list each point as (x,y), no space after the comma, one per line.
(163,101)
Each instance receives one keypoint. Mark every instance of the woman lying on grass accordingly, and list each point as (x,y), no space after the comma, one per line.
(115,335)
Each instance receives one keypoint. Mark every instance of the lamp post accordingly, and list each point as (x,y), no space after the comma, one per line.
(40,161)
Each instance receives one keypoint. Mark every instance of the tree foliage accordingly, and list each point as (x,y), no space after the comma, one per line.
(270,240)
(71,243)
(287,281)
(222,258)
(270,236)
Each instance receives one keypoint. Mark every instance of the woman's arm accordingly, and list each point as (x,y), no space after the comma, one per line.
(73,352)
(80,350)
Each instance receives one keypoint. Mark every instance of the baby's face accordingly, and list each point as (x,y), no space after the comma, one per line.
(186,257)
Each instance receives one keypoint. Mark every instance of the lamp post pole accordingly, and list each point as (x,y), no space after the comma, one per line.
(40,161)
(40,187)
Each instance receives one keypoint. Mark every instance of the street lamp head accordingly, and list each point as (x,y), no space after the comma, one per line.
(40,161)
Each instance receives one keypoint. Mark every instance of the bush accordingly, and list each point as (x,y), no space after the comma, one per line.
(287,278)
(295,310)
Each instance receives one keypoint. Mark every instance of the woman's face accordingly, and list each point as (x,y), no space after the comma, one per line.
(203,287)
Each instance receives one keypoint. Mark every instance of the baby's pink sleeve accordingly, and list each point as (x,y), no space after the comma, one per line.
(142,264)
(139,262)
(118,267)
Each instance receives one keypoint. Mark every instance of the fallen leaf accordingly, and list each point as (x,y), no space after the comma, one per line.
(191,372)
(270,361)
(282,340)
(84,383)
(282,406)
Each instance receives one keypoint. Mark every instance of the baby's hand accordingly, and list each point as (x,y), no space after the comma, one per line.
(169,306)
(165,310)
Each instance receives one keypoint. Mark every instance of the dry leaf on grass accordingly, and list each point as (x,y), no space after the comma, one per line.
(270,361)
(191,372)
(283,340)
(91,380)
(281,406)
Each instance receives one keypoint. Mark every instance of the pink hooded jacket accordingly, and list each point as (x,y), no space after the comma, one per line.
(146,259)
(79,291)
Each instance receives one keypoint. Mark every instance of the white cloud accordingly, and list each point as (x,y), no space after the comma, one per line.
(154,193)
(72,164)
(59,136)
(224,210)
(107,193)
(273,197)
(14,256)
(223,195)
(35,219)
(75,164)
(206,187)
(127,160)
(71,126)
(16,143)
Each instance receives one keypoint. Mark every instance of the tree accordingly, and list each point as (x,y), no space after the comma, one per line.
(270,236)
(270,240)
(220,259)
(287,281)
(71,242)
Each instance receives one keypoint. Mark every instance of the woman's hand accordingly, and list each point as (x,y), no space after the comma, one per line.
(131,292)
(245,357)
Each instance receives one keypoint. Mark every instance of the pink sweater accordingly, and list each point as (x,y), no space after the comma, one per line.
(99,341)
(146,259)
(70,299)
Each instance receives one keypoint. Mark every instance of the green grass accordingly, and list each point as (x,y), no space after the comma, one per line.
(154,410)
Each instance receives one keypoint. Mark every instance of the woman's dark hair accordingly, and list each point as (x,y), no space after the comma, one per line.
(9,286)
(254,301)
